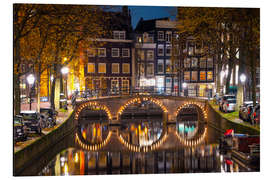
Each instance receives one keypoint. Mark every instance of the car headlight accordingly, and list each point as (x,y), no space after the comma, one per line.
(18,130)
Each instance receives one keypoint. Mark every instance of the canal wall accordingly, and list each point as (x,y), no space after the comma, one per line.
(220,123)
(28,160)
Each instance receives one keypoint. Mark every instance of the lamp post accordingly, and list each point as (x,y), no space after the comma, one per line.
(243,80)
(184,85)
(30,79)
(65,71)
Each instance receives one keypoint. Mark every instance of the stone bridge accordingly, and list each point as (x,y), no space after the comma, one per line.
(114,106)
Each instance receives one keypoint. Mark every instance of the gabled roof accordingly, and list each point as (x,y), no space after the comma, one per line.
(147,25)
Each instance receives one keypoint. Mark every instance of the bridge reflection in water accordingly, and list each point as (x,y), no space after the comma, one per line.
(135,146)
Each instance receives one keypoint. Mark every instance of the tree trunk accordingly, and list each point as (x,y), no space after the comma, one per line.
(228,79)
(38,92)
(218,85)
(17,93)
(253,77)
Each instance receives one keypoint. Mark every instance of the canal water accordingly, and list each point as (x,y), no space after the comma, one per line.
(141,131)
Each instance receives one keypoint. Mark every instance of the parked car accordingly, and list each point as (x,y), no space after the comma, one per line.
(19,129)
(32,121)
(245,111)
(255,115)
(48,116)
(223,100)
(229,105)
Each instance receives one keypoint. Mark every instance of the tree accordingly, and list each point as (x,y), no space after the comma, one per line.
(44,34)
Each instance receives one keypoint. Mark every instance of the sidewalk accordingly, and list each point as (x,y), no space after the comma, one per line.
(62,116)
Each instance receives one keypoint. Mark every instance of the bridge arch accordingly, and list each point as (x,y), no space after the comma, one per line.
(81,142)
(92,104)
(197,140)
(196,104)
(139,100)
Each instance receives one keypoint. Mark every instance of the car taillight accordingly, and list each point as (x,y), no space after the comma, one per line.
(254,114)
(227,105)
(248,110)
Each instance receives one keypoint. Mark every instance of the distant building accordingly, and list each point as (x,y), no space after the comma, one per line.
(198,70)
(156,65)
(109,66)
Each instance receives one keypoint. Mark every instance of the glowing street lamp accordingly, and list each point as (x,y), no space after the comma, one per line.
(184,85)
(64,70)
(30,79)
(243,78)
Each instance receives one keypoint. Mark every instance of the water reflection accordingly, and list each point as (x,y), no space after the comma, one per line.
(187,129)
(141,132)
(77,162)
(94,132)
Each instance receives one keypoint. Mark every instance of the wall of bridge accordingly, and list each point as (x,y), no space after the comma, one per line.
(169,102)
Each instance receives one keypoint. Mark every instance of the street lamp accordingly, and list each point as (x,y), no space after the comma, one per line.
(184,85)
(243,80)
(30,79)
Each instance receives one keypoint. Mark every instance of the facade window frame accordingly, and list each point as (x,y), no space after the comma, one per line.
(100,53)
(100,65)
(118,68)
(88,67)
(128,52)
(123,68)
(115,50)
(160,35)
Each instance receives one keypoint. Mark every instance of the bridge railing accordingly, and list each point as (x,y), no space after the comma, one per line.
(106,92)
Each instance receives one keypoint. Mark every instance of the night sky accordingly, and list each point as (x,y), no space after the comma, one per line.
(151,12)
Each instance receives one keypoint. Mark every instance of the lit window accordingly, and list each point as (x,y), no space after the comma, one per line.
(91,52)
(168,50)
(115,52)
(141,69)
(150,69)
(126,68)
(194,62)
(160,50)
(102,52)
(187,63)
(168,66)
(139,39)
(187,75)
(125,52)
(160,35)
(125,85)
(115,68)
(190,50)
(140,55)
(91,68)
(150,55)
(194,75)
(160,66)
(202,76)
(210,75)
(101,67)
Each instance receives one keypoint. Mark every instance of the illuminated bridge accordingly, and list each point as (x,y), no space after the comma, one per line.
(112,112)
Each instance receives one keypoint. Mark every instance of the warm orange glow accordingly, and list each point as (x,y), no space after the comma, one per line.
(84,134)
(81,163)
